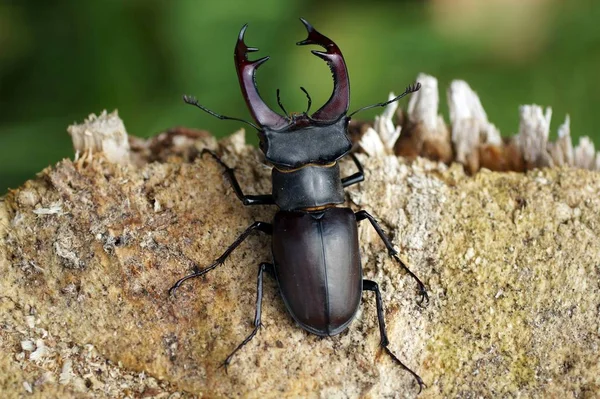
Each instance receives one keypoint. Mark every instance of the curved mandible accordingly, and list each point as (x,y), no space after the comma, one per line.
(337,105)
(246,70)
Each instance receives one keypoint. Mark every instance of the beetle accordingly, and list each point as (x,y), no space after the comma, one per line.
(315,248)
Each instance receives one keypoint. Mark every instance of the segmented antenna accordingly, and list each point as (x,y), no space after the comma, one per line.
(410,89)
(192,101)
(281,105)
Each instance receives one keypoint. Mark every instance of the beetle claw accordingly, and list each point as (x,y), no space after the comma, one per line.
(246,70)
(196,272)
(424,297)
(397,361)
(422,291)
(224,365)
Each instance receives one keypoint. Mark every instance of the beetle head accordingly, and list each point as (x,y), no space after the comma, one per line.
(300,139)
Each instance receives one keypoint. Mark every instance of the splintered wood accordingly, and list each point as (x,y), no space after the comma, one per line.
(474,141)
(470,139)
(103,133)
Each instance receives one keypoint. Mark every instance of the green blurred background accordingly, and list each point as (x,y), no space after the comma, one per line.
(61,60)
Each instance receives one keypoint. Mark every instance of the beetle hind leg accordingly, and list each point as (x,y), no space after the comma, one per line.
(369,285)
(264,267)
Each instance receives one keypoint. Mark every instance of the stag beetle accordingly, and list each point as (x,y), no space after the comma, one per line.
(315,249)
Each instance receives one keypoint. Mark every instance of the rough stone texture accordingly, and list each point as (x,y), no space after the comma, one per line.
(89,249)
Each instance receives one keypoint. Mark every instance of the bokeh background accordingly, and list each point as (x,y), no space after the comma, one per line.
(61,60)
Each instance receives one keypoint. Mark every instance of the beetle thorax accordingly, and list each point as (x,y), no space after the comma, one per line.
(308,187)
(316,143)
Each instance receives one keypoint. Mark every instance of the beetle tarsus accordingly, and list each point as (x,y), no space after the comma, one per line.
(194,274)
(224,366)
(260,226)
(397,361)
(369,285)
(257,315)
(422,290)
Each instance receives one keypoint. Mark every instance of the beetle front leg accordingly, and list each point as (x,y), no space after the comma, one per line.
(361,215)
(369,285)
(260,226)
(257,324)
(264,199)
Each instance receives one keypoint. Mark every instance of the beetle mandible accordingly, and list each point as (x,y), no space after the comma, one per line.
(315,249)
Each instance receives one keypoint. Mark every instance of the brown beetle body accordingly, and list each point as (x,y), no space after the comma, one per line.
(317,265)
(315,248)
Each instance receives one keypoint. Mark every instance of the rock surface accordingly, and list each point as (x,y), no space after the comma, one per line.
(89,249)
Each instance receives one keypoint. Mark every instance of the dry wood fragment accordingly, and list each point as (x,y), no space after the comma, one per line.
(425,133)
(475,142)
(470,127)
(104,133)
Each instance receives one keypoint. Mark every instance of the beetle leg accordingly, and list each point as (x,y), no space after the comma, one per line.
(369,285)
(356,177)
(361,215)
(257,324)
(261,226)
(265,199)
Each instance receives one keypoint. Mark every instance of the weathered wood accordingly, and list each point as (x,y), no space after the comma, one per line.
(89,249)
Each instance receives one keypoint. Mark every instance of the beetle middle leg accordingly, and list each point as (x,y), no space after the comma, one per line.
(260,226)
(264,267)
(361,215)
(369,285)
(356,177)
(263,199)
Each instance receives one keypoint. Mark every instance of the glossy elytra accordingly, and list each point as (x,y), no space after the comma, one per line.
(315,249)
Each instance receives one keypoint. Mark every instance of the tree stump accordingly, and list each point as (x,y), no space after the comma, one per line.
(89,249)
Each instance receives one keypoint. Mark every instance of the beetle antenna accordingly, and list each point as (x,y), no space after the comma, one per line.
(410,89)
(281,105)
(192,101)
(309,99)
